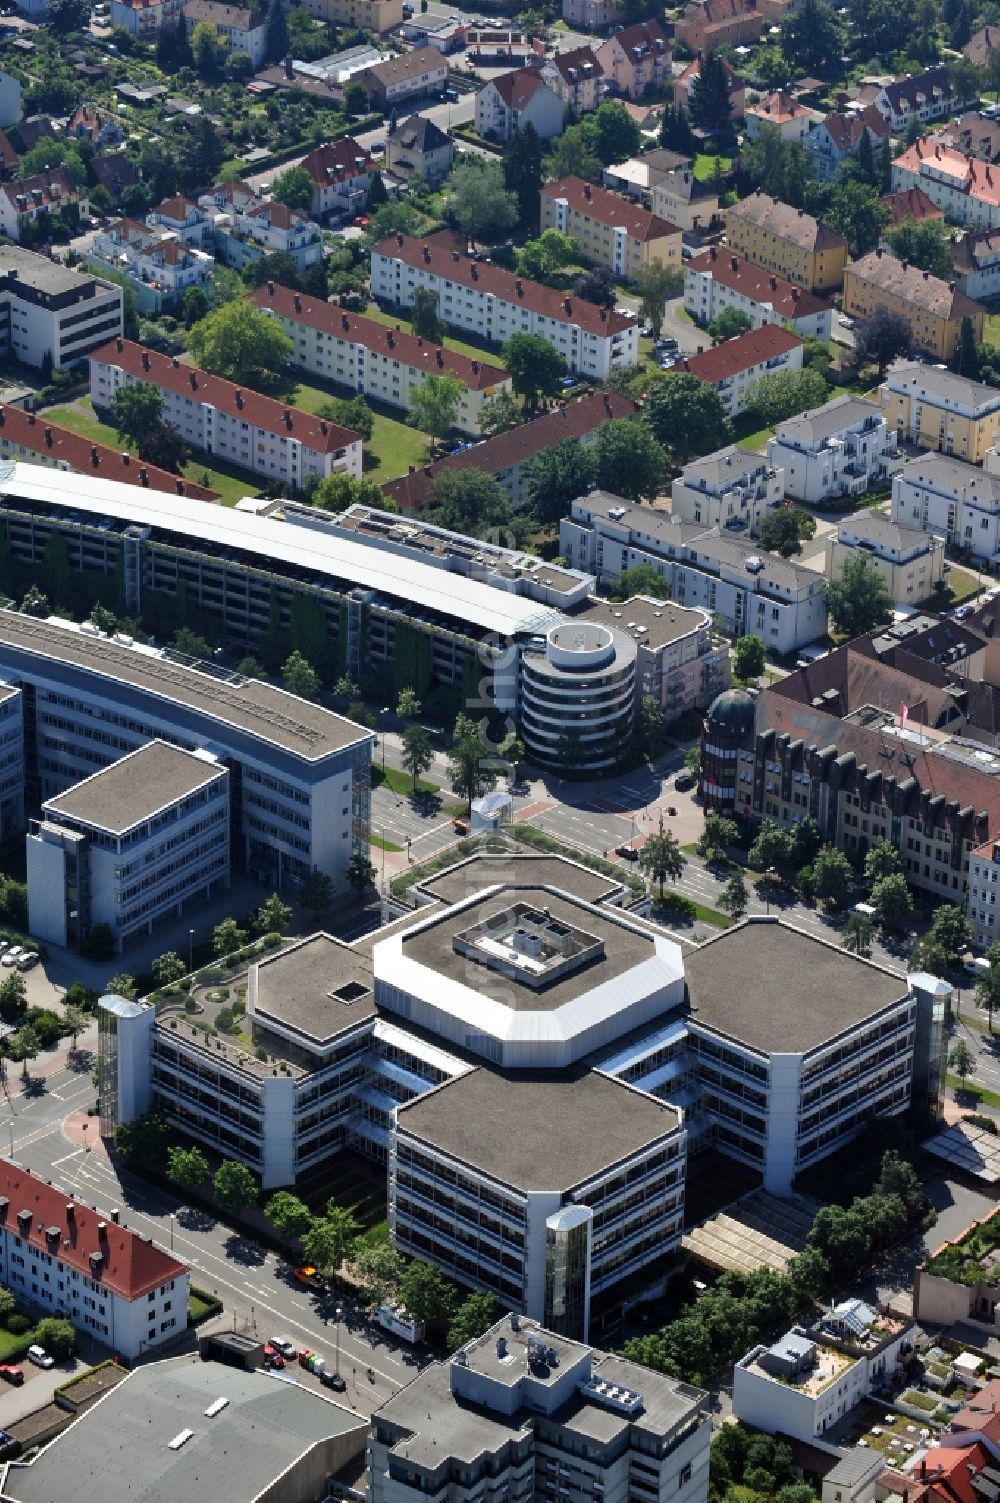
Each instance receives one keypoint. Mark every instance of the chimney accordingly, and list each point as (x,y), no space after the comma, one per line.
(440,358)
(475,367)
(48,437)
(180,487)
(126,458)
(176,363)
(145,360)
(734,263)
(116,1217)
(426,253)
(120,345)
(289,70)
(95,458)
(287,418)
(31,419)
(298,303)
(143,480)
(238,398)
(519,287)
(474,272)
(567,305)
(607,403)
(773,281)
(588,191)
(70,1210)
(345,322)
(270,288)
(194,381)
(399,239)
(390,340)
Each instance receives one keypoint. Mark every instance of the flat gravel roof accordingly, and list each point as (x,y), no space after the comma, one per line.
(135,788)
(320,987)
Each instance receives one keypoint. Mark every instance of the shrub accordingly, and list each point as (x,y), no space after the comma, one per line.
(190,1005)
(18,1324)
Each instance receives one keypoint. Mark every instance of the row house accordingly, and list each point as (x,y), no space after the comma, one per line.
(494,304)
(718,279)
(358,15)
(839,449)
(611,231)
(413,75)
(734,367)
(216,417)
(923,97)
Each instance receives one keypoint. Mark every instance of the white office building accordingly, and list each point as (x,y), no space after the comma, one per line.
(733,488)
(840,449)
(984,883)
(494,304)
(579,688)
(522,1412)
(50,312)
(713,569)
(909,559)
(133,844)
(959,502)
(11,761)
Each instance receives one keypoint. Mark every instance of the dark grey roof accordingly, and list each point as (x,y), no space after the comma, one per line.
(420,134)
(952,475)
(135,788)
(928,381)
(41,274)
(881,532)
(537,1131)
(725,466)
(780,990)
(662,621)
(732,713)
(320,987)
(823,422)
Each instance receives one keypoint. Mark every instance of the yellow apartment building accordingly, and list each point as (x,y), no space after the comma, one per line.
(366,15)
(787,241)
(939,410)
(935,309)
(611,231)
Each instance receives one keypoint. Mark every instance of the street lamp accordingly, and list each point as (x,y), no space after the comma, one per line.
(382,833)
(339,1315)
(171,1231)
(767,889)
(190,951)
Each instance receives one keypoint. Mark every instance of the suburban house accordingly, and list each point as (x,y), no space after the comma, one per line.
(341,173)
(32,198)
(909,559)
(682,199)
(636,58)
(966,188)
(512,100)
(590,15)
(911,203)
(113,172)
(687,83)
(718,279)
(940,410)
(789,117)
(86,124)
(923,96)
(419,148)
(960,502)
(976,261)
(412,75)
(577,77)
(368,357)
(980,45)
(612,231)
(839,449)
(157,266)
(839,136)
(789,241)
(241,28)
(718,23)
(935,309)
(735,366)
(733,489)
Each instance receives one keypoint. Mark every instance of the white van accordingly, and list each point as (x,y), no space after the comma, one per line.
(865,910)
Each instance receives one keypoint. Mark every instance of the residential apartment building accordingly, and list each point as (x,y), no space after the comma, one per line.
(960,502)
(26,436)
(48,312)
(188,221)
(253,432)
(144,18)
(733,489)
(577,77)
(976,259)
(72,1260)
(636,59)
(787,241)
(419,148)
(940,410)
(734,367)
(508,456)
(909,559)
(383,363)
(975,135)
(681,199)
(839,449)
(590,15)
(519,1400)
(12,817)
(779,111)
(494,304)
(611,231)
(360,15)
(129,847)
(984,874)
(838,136)
(291,765)
(718,23)
(704,566)
(686,84)
(158,269)
(258,229)
(242,28)
(923,97)
(717,279)
(966,189)
(509,102)
(413,75)
(935,309)
(341,173)
(30,199)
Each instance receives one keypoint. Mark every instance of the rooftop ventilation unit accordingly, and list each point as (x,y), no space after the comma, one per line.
(180,1439)
(216,1408)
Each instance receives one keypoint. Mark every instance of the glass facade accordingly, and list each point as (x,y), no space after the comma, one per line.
(567,1271)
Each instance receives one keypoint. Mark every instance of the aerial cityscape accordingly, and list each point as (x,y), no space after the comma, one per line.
(500,751)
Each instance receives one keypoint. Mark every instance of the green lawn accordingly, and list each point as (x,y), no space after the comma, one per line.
(394,445)
(991,329)
(704,166)
(964,586)
(400,782)
(968,1087)
(473,352)
(382,843)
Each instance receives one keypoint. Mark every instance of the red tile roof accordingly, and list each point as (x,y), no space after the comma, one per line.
(516,88)
(739,354)
(337,159)
(129,1266)
(753,282)
(175,208)
(607,208)
(61,446)
(438,256)
(778,107)
(582,59)
(397,343)
(642,35)
(912,203)
(238,402)
(574,420)
(980,180)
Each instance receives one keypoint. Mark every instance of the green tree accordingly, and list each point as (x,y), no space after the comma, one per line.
(136,410)
(478,205)
(730,323)
(676,133)
(277,31)
(512,750)
(13,997)
(499,413)
(143,1142)
(74,1022)
(611,133)
(858,934)
(417,752)
(686,416)
(881,336)
(522,173)
(968,359)
(235,1188)
(408,705)
(288,1214)
(122,985)
(294,189)
(772,848)
(641,579)
(950,928)
(882,860)
(783,530)
(628,460)
(786,394)
(734,899)
(300,677)
(209,49)
(962,1062)
(892,901)
(272,916)
(244,344)
(65,16)
(571,155)
(167,968)
(469,501)
(194,306)
(355,97)
(24,1046)
(650,727)
(434,405)
(748,659)
(350,412)
(813,37)
(925,243)
(425,319)
(859,598)
(832,874)
(228,937)
(361,875)
(187,1168)
(661,857)
(556,477)
(474,1316)
(56,1335)
(717,835)
(543,259)
(468,769)
(330,1238)
(709,104)
(536,368)
(859,214)
(657,285)
(988,991)
(377,1267)
(425,1293)
(317,892)
(339,491)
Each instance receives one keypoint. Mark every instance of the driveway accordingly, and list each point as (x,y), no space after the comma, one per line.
(40,1384)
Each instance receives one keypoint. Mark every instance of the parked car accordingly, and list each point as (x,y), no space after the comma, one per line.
(12,956)
(309,1278)
(361,221)
(40,1357)
(27,960)
(685,780)
(460,826)
(330,1379)
(272,1357)
(287,1348)
(670,344)
(645,330)
(11,1374)
(627,852)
